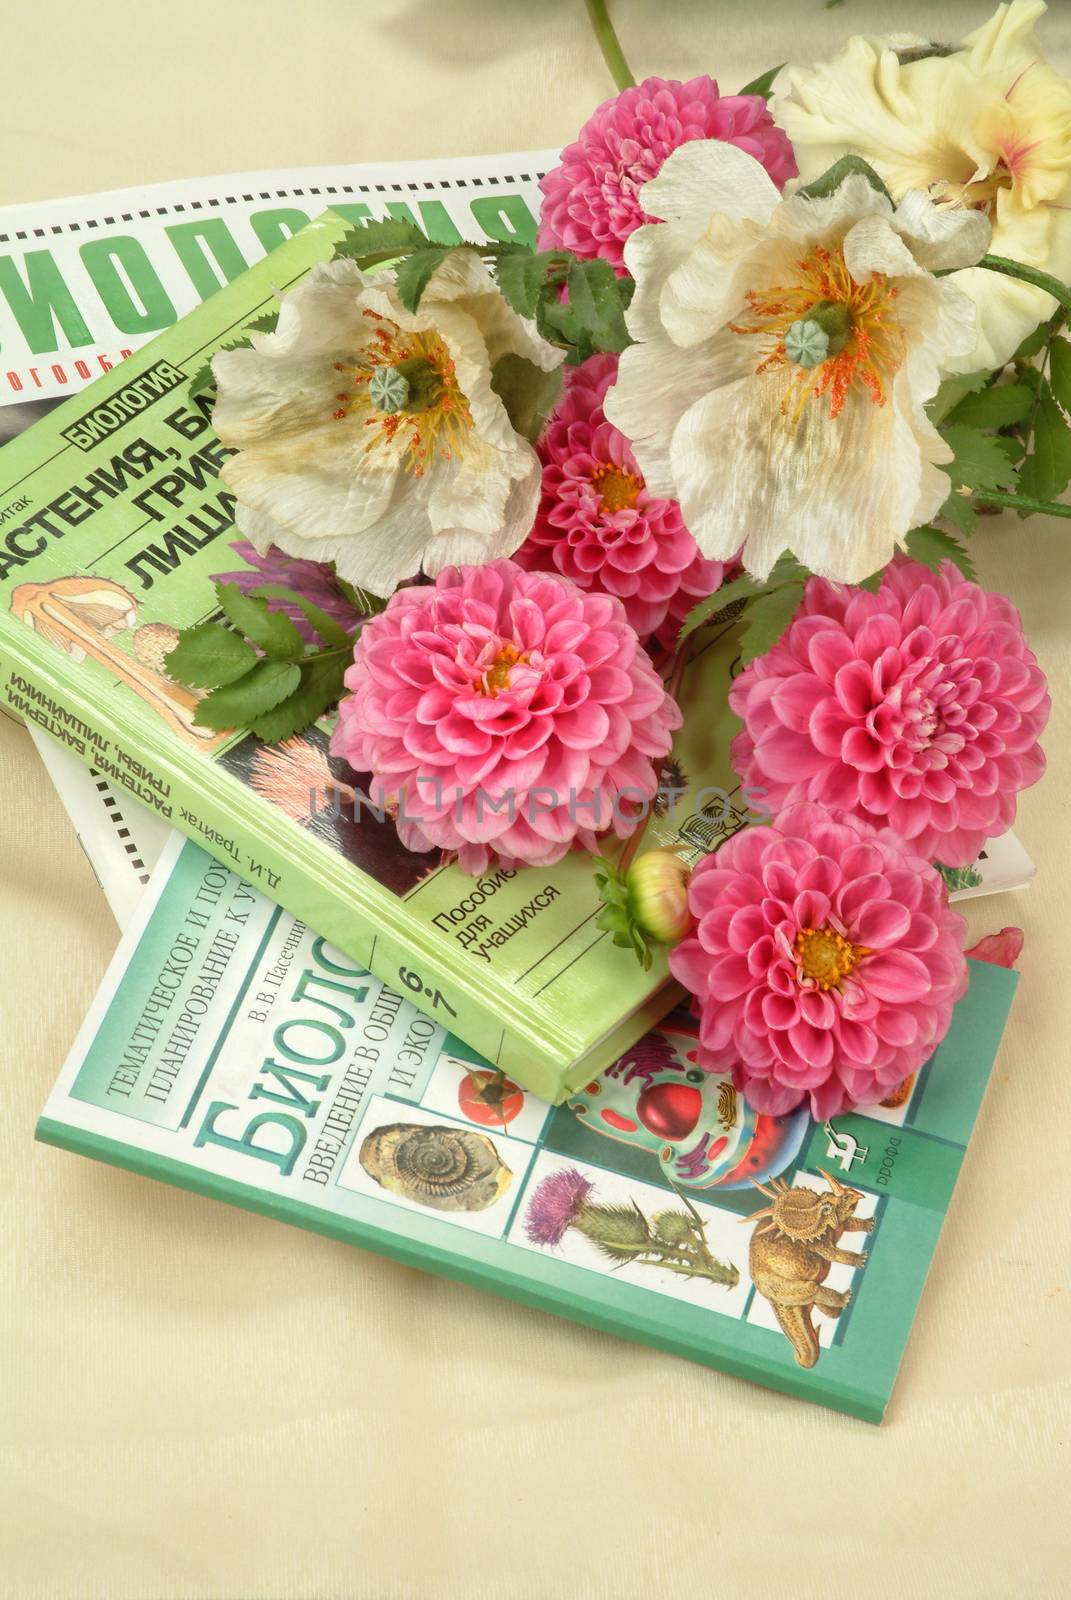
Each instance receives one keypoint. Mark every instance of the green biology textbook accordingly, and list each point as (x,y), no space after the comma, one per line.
(112,521)
(232,1051)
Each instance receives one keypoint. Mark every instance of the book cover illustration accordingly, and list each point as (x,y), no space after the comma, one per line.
(233,1052)
(113,522)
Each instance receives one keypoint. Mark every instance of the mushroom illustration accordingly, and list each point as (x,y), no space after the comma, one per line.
(82,615)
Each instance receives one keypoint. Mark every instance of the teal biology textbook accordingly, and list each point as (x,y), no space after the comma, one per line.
(112,522)
(234,1052)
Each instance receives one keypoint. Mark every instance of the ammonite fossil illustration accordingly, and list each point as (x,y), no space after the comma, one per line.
(448,1169)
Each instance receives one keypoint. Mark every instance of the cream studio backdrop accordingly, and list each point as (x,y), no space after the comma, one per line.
(199,1402)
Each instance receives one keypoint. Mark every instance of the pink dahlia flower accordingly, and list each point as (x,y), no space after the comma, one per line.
(591,202)
(598,525)
(505,713)
(825,963)
(918,707)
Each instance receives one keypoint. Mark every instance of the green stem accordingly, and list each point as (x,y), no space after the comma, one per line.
(1020,502)
(1041,280)
(612,52)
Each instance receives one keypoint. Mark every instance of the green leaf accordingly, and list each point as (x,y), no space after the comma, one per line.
(527,392)
(959,509)
(415,271)
(993,408)
(522,276)
(373,238)
(767,618)
(763,84)
(596,300)
(979,461)
(320,689)
(742,588)
(330,630)
(236,705)
(203,379)
(930,547)
(1033,344)
(1047,470)
(952,392)
(270,630)
(208,656)
(829,182)
(1060,371)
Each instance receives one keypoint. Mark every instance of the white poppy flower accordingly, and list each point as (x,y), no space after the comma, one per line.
(988,126)
(370,436)
(786,349)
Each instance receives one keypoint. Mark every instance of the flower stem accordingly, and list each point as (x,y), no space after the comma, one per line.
(612,52)
(1020,502)
(1041,280)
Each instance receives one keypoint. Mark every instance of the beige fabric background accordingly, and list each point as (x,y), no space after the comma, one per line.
(196,1402)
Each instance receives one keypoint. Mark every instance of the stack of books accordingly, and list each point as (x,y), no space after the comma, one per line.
(308,1020)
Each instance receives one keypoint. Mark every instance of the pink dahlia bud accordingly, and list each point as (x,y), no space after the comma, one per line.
(591,202)
(918,707)
(825,963)
(656,886)
(598,524)
(505,713)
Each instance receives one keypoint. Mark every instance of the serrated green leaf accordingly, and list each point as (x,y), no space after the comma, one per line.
(329,628)
(321,687)
(871,584)
(767,618)
(930,547)
(269,630)
(203,378)
(829,182)
(372,238)
(1060,371)
(595,298)
(414,273)
(1012,446)
(952,391)
(1033,344)
(959,509)
(527,392)
(763,84)
(257,691)
(522,277)
(979,462)
(742,588)
(1046,472)
(993,408)
(208,656)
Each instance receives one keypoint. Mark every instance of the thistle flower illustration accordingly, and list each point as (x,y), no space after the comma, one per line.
(675,1241)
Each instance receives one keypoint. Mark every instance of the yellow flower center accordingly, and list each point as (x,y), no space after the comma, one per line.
(434,417)
(496,676)
(867,352)
(618,490)
(826,956)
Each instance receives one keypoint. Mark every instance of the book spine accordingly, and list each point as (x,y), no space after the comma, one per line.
(211,815)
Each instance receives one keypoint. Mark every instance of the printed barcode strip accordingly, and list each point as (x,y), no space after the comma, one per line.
(179,207)
(112,806)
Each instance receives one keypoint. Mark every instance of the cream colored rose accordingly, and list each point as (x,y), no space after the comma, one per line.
(988,126)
